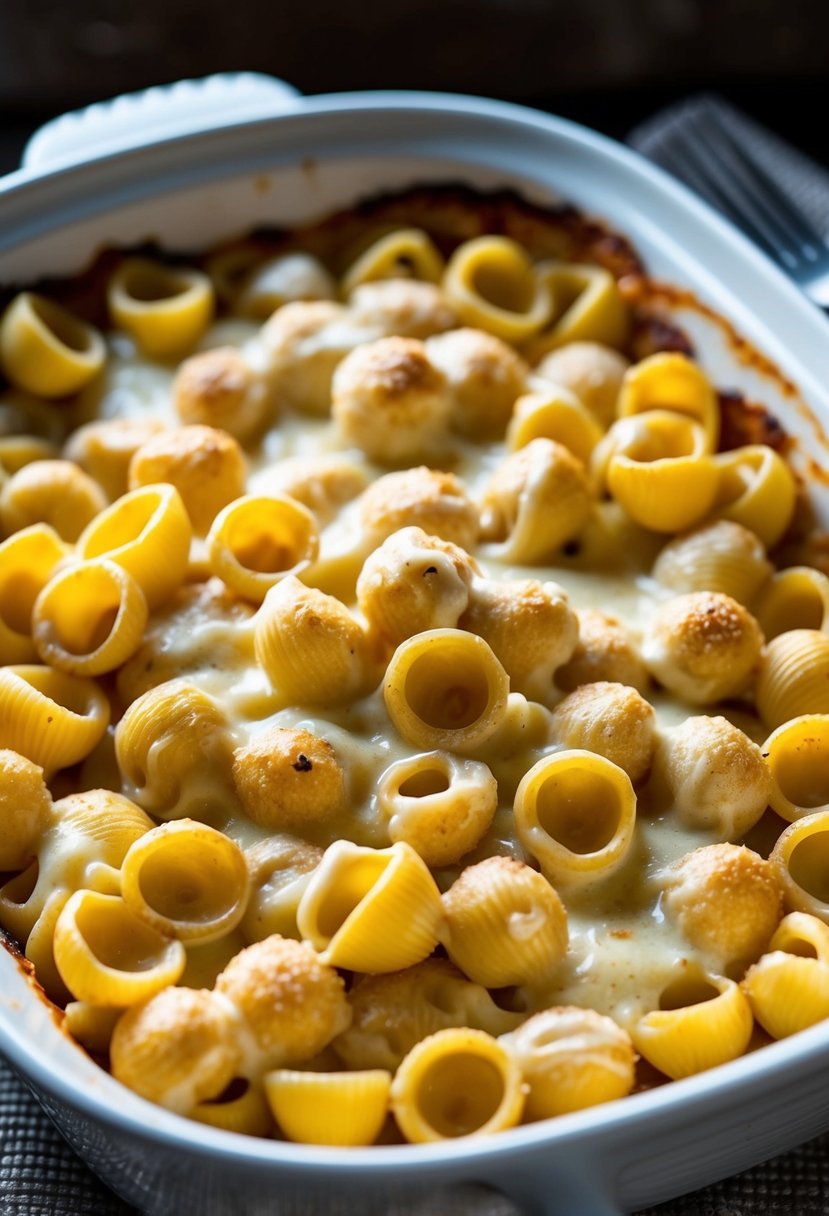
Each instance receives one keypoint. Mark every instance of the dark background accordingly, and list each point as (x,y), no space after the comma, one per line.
(609,63)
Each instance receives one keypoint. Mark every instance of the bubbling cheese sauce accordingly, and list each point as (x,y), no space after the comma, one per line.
(623,951)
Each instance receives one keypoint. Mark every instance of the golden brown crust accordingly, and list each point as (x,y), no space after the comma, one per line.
(288,779)
(704,646)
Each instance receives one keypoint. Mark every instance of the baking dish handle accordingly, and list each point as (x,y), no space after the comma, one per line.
(135,119)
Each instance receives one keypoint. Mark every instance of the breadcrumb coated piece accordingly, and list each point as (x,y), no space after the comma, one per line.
(289,779)
(727,901)
(177,1049)
(220,388)
(605,651)
(431,499)
(485,376)
(205,464)
(592,371)
(402,308)
(25,810)
(612,720)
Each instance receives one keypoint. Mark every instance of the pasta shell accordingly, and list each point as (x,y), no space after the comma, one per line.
(789,987)
(148,533)
(588,306)
(664,495)
(492,285)
(797,754)
(107,956)
(98,827)
(445,689)
(795,598)
(756,489)
(458,1082)
(504,924)
(801,860)
(256,541)
(92,1025)
(89,619)
(571,1059)
(337,1108)
(722,557)
(312,648)
(247,1114)
(671,381)
(186,880)
(52,718)
(702,1022)
(794,677)
(402,254)
(557,415)
(47,350)
(370,910)
(27,561)
(576,812)
(165,308)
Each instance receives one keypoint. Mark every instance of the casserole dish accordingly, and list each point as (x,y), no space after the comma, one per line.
(210,160)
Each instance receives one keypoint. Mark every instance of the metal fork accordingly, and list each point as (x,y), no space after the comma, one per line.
(700,150)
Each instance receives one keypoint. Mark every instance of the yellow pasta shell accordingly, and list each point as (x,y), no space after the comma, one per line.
(16,451)
(556,414)
(655,435)
(45,349)
(795,598)
(794,677)
(445,689)
(797,754)
(107,956)
(257,540)
(52,718)
(458,1082)
(570,1059)
(371,910)
(186,880)
(492,285)
(789,987)
(165,308)
(40,948)
(27,561)
(801,861)
(722,557)
(89,618)
(671,381)
(337,1108)
(402,254)
(22,899)
(756,489)
(312,648)
(101,826)
(575,812)
(666,495)
(703,1021)
(148,533)
(504,924)
(588,307)
(92,1025)
(280,869)
(247,1114)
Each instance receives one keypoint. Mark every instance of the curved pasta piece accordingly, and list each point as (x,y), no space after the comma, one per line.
(575,813)
(257,540)
(28,560)
(722,557)
(756,488)
(671,381)
(337,1108)
(702,1021)
(402,254)
(665,495)
(103,449)
(788,989)
(503,924)
(89,618)
(370,910)
(557,415)
(801,859)
(794,598)
(165,308)
(108,956)
(492,285)
(47,350)
(653,436)
(280,869)
(247,1114)
(186,880)
(147,531)
(280,280)
(583,720)
(437,803)
(571,1059)
(458,1082)
(52,718)
(793,678)
(312,648)
(92,1025)
(53,492)
(592,371)
(797,754)
(445,689)
(588,307)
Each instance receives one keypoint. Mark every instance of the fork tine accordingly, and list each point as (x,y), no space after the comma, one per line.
(790,222)
(694,171)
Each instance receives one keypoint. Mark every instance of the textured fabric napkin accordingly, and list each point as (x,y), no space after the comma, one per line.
(41,1176)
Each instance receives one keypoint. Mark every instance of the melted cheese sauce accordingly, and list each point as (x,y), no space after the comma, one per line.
(622,951)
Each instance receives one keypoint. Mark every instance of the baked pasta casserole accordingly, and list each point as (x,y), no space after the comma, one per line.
(414,701)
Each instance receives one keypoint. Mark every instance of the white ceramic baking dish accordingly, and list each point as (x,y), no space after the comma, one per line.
(201,161)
